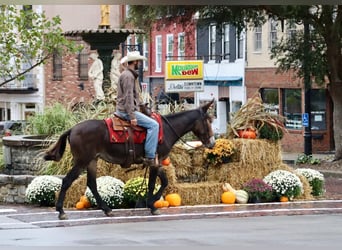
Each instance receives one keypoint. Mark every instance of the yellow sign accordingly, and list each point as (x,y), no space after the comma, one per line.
(183,70)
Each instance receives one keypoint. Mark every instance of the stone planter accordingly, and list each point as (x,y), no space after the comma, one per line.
(22,153)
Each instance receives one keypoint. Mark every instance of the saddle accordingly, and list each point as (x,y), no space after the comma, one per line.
(122,131)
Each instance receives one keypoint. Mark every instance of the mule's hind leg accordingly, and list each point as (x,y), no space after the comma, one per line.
(91,183)
(66,183)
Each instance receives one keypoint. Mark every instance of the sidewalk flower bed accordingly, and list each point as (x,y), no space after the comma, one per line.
(315,179)
(258,191)
(42,190)
(110,190)
(284,183)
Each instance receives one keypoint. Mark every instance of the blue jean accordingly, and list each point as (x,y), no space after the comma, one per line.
(152,132)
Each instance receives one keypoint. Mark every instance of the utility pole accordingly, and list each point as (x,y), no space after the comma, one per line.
(306,119)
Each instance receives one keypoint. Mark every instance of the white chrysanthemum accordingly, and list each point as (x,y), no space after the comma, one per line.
(285,183)
(315,179)
(310,174)
(110,190)
(42,190)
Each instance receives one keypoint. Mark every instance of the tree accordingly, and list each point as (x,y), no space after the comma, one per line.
(27,40)
(325,40)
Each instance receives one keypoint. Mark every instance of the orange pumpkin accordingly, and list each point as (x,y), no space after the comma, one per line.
(166,161)
(166,204)
(173,199)
(158,204)
(228,197)
(247,134)
(79,205)
(85,201)
(284,199)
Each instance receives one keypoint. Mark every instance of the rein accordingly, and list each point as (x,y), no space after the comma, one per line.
(175,132)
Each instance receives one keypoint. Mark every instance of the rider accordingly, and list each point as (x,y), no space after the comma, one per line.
(128,104)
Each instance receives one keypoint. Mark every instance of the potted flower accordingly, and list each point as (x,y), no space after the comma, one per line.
(284,183)
(42,190)
(221,152)
(135,192)
(315,179)
(258,191)
(110,190)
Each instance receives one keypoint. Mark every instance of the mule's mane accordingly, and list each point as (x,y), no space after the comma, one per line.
(181,113)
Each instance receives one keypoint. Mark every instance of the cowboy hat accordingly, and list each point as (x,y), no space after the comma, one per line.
(132,56)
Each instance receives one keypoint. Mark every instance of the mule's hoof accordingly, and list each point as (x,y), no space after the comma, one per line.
(155,212)
(62,217)
(109,213)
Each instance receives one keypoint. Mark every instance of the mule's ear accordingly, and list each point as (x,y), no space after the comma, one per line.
(207,106)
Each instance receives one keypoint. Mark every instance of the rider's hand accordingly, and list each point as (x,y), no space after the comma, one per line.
(134,122)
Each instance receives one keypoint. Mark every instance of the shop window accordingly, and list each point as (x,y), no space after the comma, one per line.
(318,109)
(270,99)
(292,108)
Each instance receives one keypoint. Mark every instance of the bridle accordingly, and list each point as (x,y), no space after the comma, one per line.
(203,120)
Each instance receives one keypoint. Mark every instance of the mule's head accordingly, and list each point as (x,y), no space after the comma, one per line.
(202,127)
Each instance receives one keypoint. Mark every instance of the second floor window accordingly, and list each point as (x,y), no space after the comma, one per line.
(83,65)
(225,37)
(273,33)
(181,46)
(145,51)
(57,67)
(158,53)
(212,41)
(290,29)
(240,44)
(258,38)
(169,47)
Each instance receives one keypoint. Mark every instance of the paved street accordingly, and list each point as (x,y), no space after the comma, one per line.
(268,232)
(292,225)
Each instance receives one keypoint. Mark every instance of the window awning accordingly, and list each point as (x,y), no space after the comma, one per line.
(223,81)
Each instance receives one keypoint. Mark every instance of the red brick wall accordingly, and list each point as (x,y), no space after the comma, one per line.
(293,141)
(67,90)
(172,26)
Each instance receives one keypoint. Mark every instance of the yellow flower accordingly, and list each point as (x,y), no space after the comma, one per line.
(223,148)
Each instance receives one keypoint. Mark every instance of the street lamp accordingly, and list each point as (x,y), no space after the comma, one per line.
(307,87)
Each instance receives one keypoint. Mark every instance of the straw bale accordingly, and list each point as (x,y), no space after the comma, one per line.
(181,159)
(257,151)
(199,193)
(76,190)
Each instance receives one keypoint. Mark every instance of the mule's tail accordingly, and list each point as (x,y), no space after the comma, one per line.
(56,151)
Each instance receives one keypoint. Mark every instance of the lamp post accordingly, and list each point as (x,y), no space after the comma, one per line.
(307,96)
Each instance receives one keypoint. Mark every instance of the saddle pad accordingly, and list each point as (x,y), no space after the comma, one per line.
(118,130)
(122,135)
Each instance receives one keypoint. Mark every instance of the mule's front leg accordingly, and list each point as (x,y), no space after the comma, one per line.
(151,199)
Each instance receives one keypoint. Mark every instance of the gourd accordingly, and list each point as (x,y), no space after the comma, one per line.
(166,161)
(241,196)
(79,205)
(247,134)
(284,199)
(83,203)
(174,199)
(161,203)
(228,197)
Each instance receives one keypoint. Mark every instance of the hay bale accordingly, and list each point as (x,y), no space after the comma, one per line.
(199,193)
(76,190)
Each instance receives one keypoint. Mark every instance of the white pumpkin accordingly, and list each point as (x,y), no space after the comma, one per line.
(241,196)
